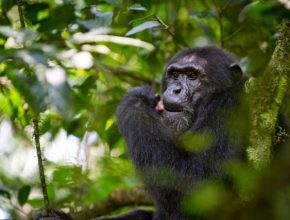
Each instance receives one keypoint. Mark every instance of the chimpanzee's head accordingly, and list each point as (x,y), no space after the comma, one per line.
(191,78)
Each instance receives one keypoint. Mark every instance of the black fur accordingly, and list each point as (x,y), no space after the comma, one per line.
(52,214)
(168,170)
(133,215)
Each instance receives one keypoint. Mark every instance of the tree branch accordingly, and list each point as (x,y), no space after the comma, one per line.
(118,199)
(267,94)
(166,27)
(40,165)
(36,131)
(21,15)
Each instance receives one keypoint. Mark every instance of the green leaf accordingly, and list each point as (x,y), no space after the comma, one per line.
(36,203)
(117,3)
(202,14)
(137,7)
(51,191)
(146,25)
(102,19)
(59,18)
(5,105)
(92,37)
(30,89)
(244,12)
(33,11)
(6,5)
(4,192)
(23,194)
(65,176)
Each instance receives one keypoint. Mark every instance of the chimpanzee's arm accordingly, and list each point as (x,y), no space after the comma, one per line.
(52,214)
(136,214)
(148,140)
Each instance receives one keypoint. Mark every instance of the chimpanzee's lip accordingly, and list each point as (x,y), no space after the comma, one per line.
(178,111)
(171,106)
(172,109)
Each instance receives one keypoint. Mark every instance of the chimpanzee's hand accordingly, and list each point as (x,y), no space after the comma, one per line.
(142,95)
(138,106)
(159,107)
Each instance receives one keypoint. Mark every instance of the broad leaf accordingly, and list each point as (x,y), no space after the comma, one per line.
(142,27)
(23,194)
(4,192)
(137,7)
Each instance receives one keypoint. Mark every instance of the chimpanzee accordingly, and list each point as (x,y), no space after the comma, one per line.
(201,94)
(201,97)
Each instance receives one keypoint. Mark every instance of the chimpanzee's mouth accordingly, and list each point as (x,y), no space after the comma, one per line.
(172,107)
(173,110)
(178,110)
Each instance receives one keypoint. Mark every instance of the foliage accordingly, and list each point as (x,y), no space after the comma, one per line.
(76,58)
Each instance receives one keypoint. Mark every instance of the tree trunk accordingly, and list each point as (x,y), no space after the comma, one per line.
(267,93)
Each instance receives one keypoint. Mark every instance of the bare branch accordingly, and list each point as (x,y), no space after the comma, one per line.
(118,199)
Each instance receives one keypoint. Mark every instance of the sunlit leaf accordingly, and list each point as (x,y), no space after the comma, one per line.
(36,202)
(5,106)
(35,12)
(137,7)
(117,3)
(91,37)
(26,36)
(144,26)
(102,19)
(202,14)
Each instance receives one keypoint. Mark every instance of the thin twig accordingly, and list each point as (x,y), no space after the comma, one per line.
(141,19)
(235,32)
(166,27)
(220,22)
(226,5)
(21,15)
(40,165)
(36,131)
(220,12)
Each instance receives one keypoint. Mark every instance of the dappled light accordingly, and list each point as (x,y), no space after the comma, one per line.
(55,76)
(100,113)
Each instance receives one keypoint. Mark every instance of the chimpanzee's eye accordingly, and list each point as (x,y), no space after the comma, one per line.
(175,75)
(192,75)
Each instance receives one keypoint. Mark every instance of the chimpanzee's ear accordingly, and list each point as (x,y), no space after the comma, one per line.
(237,73)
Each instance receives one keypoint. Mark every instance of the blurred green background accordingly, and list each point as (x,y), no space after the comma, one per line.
(74,61)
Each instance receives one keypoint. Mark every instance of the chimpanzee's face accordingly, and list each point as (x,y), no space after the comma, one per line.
(186,82)
(189,80)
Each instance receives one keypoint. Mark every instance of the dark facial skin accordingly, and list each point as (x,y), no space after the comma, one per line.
(190,81)
(186,83)
(184,87)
